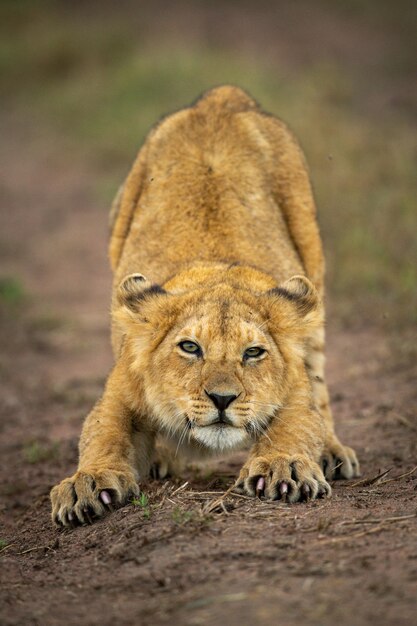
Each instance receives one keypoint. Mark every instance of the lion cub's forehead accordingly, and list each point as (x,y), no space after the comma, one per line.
(225,324)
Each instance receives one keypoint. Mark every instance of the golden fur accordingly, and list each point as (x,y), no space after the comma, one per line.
(219,339)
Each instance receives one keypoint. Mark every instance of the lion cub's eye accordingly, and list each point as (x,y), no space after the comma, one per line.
(190,347)
(253,353)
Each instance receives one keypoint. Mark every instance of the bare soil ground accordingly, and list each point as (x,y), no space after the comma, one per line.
(348,560)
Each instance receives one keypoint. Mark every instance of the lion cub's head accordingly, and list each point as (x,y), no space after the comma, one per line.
(212,361)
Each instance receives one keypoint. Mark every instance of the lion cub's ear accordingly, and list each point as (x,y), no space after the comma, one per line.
(298,305)
(301,292)
(134,289)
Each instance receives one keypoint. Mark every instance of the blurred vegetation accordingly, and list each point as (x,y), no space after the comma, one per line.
(93,86)
(12,292)
(37,452)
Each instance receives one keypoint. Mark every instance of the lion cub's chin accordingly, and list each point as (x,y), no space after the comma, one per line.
(220,438)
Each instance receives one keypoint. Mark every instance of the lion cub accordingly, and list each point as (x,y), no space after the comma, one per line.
(217,315)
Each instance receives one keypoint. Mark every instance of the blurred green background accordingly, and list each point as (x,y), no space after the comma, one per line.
(87,79)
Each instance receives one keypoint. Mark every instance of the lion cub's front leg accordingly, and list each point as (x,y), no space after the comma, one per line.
(284,463)
(338,460)
(108,467)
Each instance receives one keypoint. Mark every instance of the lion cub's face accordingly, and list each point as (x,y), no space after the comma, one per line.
(220,375)
(214,363)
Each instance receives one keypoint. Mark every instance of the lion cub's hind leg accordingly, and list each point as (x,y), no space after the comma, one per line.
(338,461)
(166,462)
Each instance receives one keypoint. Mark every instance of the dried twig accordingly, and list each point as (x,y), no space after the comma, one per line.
(406,422)
(377,480)
(242,496)
(362,533)
(269,511)
(214,504)
(203,493)
(397,518)
(9,545)
(357,535)
(390,480)
(224,508)
(32,549)
(365,482)
(179,488)
(35,548)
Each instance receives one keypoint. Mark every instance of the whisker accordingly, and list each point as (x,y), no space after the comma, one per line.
(268,404)
(258,430)
(181,438)
(265,434)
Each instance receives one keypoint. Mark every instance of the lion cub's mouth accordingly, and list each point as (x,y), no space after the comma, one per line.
(222,421)
(220,435)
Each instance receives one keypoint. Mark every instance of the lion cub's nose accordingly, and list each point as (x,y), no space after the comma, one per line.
(221,401)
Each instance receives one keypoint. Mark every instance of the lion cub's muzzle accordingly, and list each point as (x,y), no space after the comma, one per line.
(221,401)
(220,429)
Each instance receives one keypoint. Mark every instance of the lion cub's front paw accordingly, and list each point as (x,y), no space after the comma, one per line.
(283,478)
(339,461)
(77,500)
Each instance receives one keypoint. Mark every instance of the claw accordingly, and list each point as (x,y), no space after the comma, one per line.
(305,489)
(322,493)
(105,497)
(260,486)
(88,516)
(283,490)
(72,520)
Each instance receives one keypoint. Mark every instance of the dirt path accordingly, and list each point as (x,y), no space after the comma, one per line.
(351,559)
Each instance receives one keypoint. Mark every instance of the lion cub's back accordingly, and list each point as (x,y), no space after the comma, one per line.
(209,176)
(224,128)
